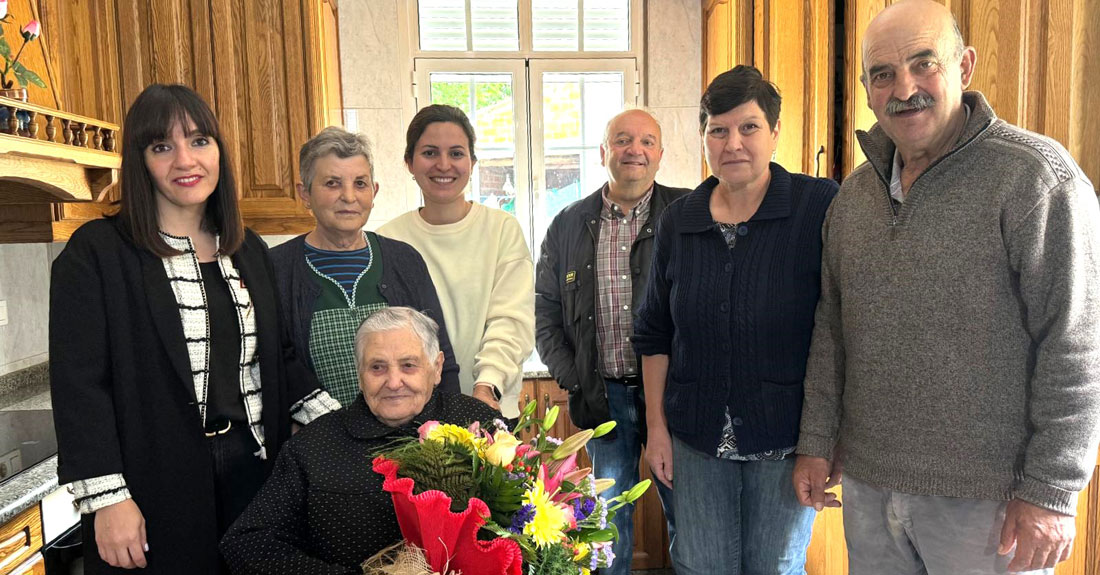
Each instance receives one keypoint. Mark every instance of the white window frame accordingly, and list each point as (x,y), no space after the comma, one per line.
(631,89)
(424,67)
(411,22)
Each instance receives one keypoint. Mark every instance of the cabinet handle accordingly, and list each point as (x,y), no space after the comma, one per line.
(817,161)
(11,546)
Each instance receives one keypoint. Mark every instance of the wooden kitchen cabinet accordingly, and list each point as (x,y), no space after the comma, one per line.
(650,530)
(20,539)
(270,70)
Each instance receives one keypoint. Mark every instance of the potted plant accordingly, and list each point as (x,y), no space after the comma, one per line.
(13,70)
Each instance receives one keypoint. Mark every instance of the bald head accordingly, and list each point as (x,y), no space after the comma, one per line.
(916,68)
(915,17)
(631,152)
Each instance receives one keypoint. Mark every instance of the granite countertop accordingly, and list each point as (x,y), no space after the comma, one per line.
(23,390)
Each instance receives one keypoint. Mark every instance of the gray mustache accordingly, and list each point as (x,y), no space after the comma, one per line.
(916,102)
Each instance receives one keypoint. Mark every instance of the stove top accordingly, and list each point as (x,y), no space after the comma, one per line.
(26,438)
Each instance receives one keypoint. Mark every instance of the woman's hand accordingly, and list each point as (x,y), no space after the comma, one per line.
(484,392)
(120,535)
(658,452)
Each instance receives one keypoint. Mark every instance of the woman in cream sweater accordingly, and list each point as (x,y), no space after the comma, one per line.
(477,258)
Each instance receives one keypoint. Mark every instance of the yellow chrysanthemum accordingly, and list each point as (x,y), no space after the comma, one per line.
(550,521)
(448,433)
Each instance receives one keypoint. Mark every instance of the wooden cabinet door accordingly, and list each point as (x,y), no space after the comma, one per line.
(793,47)
(270,71)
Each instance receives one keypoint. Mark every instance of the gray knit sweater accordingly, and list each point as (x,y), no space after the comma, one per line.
(956,350)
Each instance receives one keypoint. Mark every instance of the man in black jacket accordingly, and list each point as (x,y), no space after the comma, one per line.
(593,268)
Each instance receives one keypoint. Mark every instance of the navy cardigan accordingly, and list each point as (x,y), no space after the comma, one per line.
(736,323)
(405,282)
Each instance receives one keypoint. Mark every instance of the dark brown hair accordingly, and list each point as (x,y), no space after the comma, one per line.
(732,88)
(437,113)
(151,117)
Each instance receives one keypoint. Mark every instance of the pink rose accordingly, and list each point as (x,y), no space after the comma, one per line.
(31,30)
(427,428)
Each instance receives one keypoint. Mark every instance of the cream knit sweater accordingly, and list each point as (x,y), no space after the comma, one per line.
(483,272)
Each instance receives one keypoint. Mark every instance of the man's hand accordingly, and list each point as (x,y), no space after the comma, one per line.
(120,535)
(484,392)
(658,452)
(1041,537)
(812,476)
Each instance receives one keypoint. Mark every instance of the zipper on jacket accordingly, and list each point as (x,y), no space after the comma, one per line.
(886,183)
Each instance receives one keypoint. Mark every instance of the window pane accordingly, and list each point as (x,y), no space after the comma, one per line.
(495,24)
(487,100)
(554,25)
(606,25)
(575,107)
(442,24)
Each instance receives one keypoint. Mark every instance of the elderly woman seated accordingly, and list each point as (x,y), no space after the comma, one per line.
(323,509)
(335,276)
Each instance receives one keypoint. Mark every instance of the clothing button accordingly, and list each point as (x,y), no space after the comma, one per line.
(591,221)
(382,286)
(742,230)
(738,421)
(588,267)
(589,318)
(649,230)
(728,266)
(724,307)
(622,248)
(623,276)
(626,307)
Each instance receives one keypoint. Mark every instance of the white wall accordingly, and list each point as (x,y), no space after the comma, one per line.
(25,285)
(376,75)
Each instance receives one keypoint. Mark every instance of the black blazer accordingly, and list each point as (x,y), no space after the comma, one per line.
(123,396)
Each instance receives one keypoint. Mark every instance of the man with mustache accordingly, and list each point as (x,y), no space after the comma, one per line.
(954,372)
(591,273)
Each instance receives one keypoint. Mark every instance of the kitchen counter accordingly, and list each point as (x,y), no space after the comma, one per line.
(26,389)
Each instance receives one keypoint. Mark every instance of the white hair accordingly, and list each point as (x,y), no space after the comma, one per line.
(391,318)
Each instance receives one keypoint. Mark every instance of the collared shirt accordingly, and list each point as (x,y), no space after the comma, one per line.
(614,308)
(895,172)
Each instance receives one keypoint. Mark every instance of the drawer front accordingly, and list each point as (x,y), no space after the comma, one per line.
(20,538)
(36,565)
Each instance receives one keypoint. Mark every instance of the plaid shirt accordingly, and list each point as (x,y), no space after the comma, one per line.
(614,308)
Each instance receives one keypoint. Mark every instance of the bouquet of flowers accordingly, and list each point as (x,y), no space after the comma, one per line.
(477,501)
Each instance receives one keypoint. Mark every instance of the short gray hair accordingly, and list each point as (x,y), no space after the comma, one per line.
(391,318)
(332,140)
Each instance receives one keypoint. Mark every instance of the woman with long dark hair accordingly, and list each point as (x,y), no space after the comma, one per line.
(172,385)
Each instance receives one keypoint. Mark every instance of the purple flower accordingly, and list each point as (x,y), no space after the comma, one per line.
(522,518)
(583,507)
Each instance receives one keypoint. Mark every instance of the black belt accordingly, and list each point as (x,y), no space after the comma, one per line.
(628,381)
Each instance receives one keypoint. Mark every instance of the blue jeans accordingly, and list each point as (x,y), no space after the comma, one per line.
(736,516)
(616,456)
(892,532)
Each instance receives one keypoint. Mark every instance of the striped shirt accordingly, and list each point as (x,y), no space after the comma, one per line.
(614,305)
(342,267)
